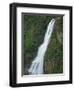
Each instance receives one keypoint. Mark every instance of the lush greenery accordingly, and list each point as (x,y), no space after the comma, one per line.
(34,28)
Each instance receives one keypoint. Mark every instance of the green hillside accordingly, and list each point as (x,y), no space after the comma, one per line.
(33,31)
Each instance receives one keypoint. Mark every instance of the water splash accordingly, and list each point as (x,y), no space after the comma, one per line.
(37,64)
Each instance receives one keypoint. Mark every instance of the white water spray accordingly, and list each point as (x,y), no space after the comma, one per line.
(37,64)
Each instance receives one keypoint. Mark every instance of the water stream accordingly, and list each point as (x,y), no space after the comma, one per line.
(37,64)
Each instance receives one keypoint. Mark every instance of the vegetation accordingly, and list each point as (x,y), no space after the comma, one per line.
(34,28)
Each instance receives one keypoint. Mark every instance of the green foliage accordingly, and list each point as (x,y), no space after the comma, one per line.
(34,28)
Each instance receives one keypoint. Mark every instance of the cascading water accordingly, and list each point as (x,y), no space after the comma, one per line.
(37,64)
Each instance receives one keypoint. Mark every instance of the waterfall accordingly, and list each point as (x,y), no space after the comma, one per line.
(37,64)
